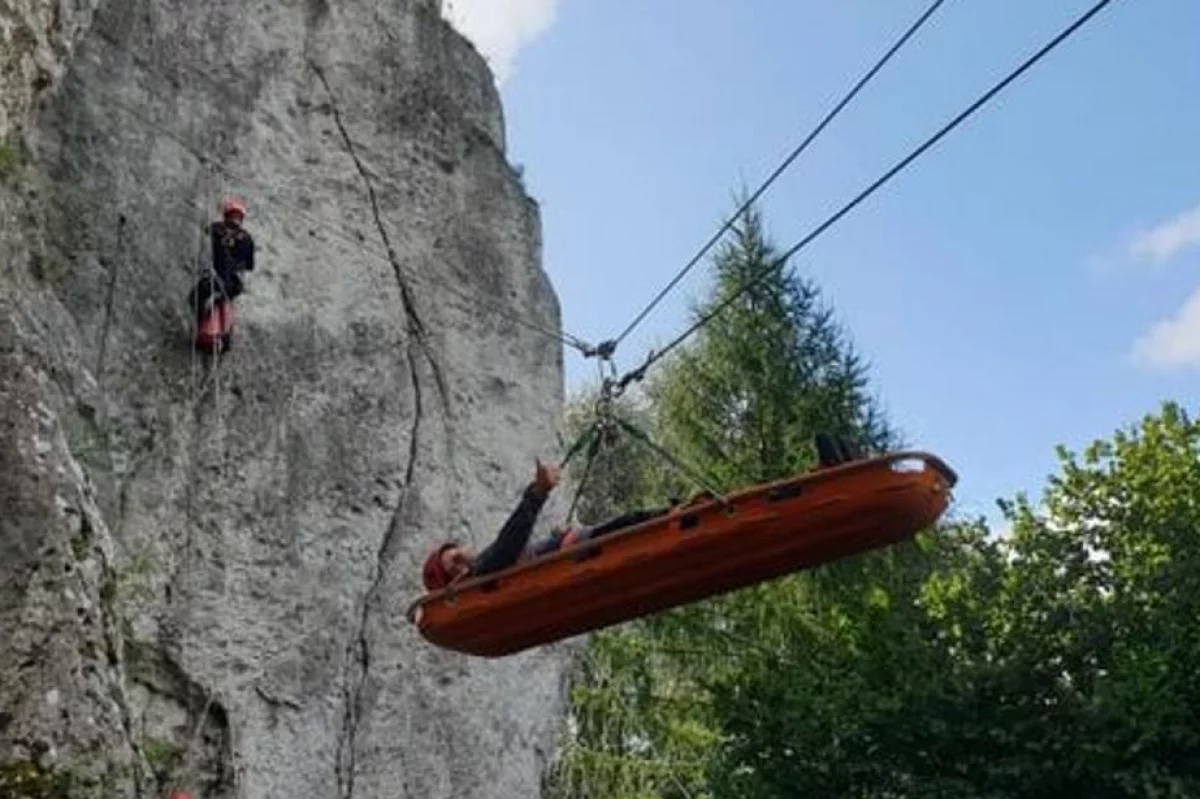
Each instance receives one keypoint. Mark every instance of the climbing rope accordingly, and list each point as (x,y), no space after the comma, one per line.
(654,356)
(612,387)
(597,433)
(184,772)
(216,430)
(606,348)
(194,291)
(564,338)
(114,262)
(787,162)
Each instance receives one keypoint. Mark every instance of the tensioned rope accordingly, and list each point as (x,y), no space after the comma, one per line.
(215,432)
(216,164)
(638,373)
(787,162)
(605,350)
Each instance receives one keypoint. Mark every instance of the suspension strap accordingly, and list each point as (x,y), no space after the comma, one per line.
(593,450)
(683,469)
(583,438)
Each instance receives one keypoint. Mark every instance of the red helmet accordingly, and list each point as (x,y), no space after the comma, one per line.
(233,205)
(434,572)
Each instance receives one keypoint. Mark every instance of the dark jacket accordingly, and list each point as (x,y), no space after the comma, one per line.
(232,252)
(511,542)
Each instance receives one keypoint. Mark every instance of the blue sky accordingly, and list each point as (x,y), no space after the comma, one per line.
(1025,284)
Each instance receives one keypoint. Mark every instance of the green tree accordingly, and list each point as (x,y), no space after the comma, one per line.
(1059,661)
(760,378)
(846,678)
(1081,656)
(624,473)
(741,402)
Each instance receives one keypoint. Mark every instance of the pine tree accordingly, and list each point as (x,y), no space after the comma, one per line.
(741,401)
(760,379)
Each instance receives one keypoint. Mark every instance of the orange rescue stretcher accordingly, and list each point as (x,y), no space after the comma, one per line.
(692,553)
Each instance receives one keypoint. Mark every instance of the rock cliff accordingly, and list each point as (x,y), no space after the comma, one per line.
(206,562)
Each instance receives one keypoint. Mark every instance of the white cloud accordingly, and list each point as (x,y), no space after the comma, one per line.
(1168,239)
(500,28)
(1174,342)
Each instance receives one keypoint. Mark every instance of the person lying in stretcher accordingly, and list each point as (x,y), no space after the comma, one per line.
(452,561)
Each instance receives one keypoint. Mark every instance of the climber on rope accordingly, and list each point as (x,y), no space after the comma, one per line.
(232,253)
(452,561)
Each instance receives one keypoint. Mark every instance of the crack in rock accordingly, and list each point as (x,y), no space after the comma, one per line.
(415,324)
(359,652)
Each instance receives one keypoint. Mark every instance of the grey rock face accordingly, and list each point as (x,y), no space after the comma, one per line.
(37,38)
(206,561)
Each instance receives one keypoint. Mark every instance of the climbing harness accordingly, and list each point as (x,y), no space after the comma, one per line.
(340,234)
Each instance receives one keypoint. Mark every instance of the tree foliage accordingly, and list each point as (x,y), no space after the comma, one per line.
(765,374)
(1059,660)
(740,403)
(623,473)
(1076,641)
